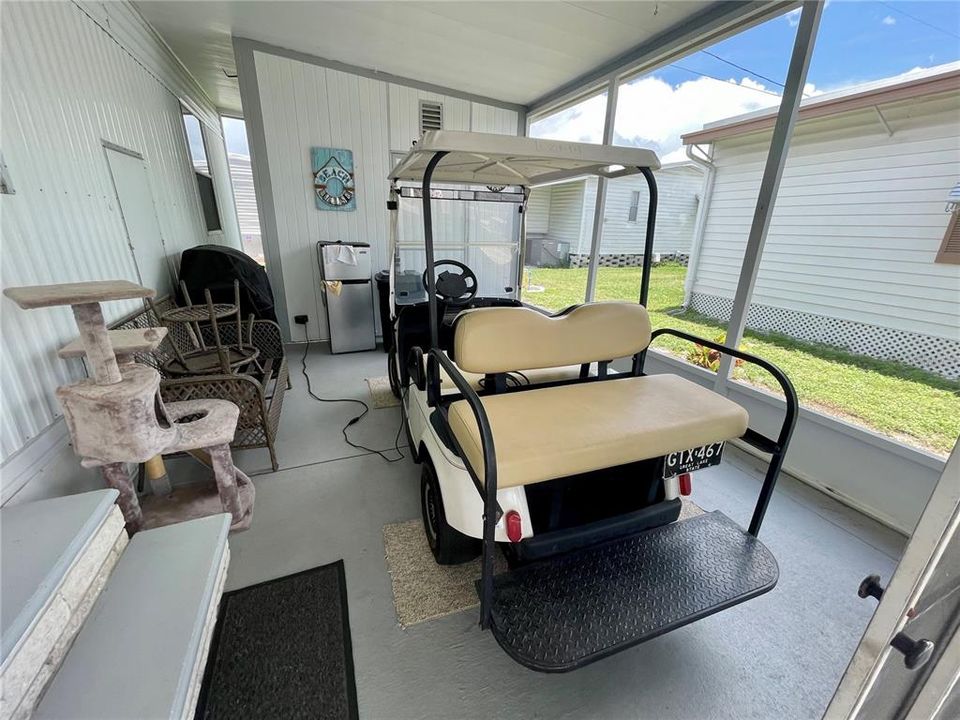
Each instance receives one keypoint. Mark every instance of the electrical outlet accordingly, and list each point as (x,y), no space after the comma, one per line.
(301,319)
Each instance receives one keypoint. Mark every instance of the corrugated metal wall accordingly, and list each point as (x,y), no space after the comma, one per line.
(68,86)
(857,223)
(306,105)
(678,192)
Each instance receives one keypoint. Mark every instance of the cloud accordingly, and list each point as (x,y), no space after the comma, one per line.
(889,20)
(652,113)
(793,17)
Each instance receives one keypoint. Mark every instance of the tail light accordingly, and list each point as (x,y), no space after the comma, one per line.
(686,486)
(514,526)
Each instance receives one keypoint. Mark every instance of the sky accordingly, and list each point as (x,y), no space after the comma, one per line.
(858,41)
(235,135)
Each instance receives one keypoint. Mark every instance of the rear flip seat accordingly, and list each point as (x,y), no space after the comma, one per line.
(547,433)
(569,429)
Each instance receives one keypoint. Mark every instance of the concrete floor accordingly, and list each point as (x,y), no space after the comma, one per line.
(778,656)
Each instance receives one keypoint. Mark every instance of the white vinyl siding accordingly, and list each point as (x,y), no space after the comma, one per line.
(538,211)
(566,215)
(67,87)
(678,194)
(857,223)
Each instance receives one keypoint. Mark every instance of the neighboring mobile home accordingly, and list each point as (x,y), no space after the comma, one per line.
(853,256)
(560,223)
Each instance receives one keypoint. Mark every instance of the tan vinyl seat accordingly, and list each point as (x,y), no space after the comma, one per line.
(546,433)
(559,431)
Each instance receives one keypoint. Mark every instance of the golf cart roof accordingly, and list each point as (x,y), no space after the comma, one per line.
(487,159)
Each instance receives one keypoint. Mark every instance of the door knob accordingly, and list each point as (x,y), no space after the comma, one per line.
(870,587)
(916,653)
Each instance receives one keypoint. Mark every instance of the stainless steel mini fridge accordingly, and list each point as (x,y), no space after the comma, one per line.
(348,295)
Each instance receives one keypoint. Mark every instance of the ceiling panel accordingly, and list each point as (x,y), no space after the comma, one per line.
(511,51)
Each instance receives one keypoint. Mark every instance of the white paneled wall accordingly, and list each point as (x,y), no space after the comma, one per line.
(858,220)
(68,87)
(306,105)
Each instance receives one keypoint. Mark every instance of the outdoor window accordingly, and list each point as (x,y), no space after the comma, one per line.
(634,204)
(198,150)
(849,299)
(241,177)
(558,216)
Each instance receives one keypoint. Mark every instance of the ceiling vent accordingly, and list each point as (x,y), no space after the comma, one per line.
(431,116)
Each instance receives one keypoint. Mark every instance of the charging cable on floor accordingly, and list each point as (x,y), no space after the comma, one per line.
(352,421)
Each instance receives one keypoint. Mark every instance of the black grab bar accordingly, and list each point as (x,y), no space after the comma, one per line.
(488,485)
(777,449)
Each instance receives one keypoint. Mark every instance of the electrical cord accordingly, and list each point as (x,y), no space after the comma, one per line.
(352,421)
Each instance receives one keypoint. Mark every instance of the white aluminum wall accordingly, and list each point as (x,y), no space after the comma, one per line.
(68,86)
(857,223)
(306,105)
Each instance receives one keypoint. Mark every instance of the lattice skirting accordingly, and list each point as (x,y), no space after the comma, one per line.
(938,355)
(626,259)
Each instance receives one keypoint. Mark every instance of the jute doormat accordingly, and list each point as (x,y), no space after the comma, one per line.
(423,590)
(380,393)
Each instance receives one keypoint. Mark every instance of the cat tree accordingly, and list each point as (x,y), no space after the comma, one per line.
(117,416)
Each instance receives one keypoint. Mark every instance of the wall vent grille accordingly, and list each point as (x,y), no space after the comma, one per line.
(431,116)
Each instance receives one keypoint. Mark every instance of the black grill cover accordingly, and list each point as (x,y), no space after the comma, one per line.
(216,267)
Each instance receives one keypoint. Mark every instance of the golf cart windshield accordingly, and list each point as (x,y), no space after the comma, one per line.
(473,224)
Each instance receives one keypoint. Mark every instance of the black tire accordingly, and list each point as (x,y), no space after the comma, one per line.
(449,546)
(393,373)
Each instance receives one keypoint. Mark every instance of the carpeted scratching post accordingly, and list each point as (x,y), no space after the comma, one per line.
(118,416)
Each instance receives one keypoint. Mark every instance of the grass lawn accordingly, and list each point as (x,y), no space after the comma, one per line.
(912,405)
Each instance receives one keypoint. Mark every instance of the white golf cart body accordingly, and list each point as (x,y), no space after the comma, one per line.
(592,456)
(494,161)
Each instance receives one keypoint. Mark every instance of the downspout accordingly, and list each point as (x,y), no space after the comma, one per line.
(710,173)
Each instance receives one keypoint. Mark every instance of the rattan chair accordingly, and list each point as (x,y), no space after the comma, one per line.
(260,397)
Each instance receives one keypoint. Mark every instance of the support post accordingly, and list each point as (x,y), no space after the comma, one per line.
(428,248)
(96,343)
(770,183)
(608,125)
(115,476)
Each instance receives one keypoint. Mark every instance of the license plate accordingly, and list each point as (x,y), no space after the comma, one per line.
(687,461)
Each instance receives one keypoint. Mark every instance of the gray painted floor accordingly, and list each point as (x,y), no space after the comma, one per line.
(778,656)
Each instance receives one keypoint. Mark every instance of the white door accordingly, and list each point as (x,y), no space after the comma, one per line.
(907,665)
(132,186)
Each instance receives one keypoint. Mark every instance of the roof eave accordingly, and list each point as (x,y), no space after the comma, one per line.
(906,90)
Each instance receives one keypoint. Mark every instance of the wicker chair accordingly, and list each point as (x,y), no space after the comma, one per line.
(260,403)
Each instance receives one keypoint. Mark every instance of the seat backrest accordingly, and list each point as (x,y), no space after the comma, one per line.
(498,340)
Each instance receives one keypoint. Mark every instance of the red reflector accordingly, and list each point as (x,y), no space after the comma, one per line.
(686,486)
(514,526)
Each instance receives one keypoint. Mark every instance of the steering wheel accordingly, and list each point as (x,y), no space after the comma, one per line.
(454,288)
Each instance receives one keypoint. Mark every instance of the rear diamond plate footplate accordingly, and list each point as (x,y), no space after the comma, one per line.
(560,614)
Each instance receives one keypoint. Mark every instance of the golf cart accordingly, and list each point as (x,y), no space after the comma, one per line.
(532,441)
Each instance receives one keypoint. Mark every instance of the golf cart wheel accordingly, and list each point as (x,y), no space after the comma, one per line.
(449,546)
(393,373)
